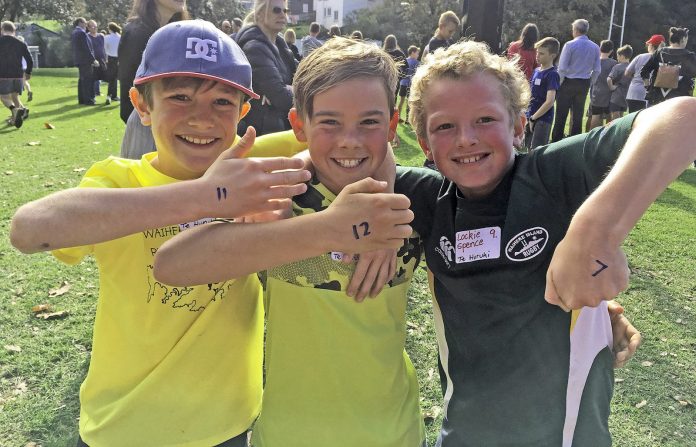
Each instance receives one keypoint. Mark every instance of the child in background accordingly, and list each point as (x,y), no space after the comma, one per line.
(405,83)
(545,82)
(447,26)
(179,365)
(502,231)
(618,83)
(600,94)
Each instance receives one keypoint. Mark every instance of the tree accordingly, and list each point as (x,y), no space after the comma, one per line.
(216,11)
(413,22)
(15,10)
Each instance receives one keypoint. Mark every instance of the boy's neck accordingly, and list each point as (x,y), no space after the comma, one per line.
(546,66)
(604,55)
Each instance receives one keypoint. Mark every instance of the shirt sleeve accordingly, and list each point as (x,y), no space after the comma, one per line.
(553,81)
(571,169)
(422,187)
(278,144)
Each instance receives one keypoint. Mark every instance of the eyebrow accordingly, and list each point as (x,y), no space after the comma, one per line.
(330,113)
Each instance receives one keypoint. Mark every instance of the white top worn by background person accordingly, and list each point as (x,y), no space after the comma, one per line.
(636,90)
(111,41)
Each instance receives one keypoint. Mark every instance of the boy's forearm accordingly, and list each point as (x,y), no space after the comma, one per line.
(84,216)
(357,221)
(661,145)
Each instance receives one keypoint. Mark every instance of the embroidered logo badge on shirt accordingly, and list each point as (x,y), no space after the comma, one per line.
(446,250)
(478,244)
(201,49)
(527,244)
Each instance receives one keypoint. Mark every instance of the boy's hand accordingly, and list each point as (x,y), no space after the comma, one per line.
(372,271)
(362,218)
(234,186)
(626,337)
(583,273)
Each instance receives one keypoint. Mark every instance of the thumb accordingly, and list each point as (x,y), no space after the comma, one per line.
(366,185)
(243,146)
(550,294)
(615,309)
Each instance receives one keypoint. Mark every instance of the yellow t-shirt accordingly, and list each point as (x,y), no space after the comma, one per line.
(170,366)
(337,374)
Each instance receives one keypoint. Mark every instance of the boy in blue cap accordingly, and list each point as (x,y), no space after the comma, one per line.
(182,365)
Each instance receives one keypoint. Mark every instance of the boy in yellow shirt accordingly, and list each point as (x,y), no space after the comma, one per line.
(182,365)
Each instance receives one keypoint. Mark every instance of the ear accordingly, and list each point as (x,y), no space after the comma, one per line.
(518,130)
(245,109)
(393,123)
(426,148)
(140,106)
(297,125)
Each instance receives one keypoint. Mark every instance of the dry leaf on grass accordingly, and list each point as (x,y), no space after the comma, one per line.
(32,444)
(61,290)
(79,169)
(52,315)
(429,416)
(41,308)
(642,403)
(20,388)
(13,348)
(646,363)
(33,143)
(49,126)
(9,172)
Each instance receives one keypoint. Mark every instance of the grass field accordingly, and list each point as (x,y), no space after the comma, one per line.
(42,362)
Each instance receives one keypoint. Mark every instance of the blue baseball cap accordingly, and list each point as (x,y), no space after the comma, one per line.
(195,48)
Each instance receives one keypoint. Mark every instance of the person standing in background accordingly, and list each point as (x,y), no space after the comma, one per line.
(524,48)
(97,40)
(635,98)
(146,17)
(675,54)
(84,60)
(578,67)
(111,41)
(311,42)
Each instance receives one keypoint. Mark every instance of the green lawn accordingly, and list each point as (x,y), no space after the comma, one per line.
(42,362)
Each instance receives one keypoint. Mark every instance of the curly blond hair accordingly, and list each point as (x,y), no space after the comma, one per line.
(337,61)
(459,62)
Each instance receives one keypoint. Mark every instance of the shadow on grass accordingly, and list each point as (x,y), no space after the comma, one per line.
(675,199)
(56,73)
(69,112)
(689,177)
(61,100)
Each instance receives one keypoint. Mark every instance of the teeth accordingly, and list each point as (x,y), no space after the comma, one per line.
(348,162)
(468,159)
(196,140)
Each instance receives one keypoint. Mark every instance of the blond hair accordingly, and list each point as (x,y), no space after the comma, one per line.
(337,61)
(460,62)
(449,17)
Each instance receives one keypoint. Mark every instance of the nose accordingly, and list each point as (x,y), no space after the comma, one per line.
(199,116)
(350,138)
(468,136)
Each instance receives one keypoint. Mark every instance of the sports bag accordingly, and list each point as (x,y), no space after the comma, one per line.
(667,75)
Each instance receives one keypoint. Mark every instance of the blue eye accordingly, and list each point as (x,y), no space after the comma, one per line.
(444,126)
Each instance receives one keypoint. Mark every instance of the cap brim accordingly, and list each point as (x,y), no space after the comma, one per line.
(189,74)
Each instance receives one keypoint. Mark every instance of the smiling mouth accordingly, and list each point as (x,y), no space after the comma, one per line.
(469,160)
(349,163)
(197,140)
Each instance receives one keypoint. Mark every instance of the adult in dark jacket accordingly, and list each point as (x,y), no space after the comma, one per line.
(273,66)
(84,60)
(146,17)
(97,40)
(675,54)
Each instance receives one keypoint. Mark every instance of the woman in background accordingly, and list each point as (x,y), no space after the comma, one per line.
(524,48)
(273,67)
(145,18)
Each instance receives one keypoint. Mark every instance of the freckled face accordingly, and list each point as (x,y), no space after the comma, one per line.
(348,132)
(469,134)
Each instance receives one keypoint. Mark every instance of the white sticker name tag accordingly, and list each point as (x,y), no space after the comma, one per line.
(195,223)
(537,81)
(475,245)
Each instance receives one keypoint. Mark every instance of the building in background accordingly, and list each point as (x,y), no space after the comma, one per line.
(334,12)
(301,11)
